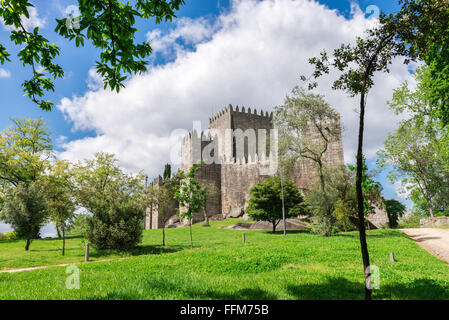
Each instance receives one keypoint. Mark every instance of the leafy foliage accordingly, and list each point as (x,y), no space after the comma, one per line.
(301,113)
(407,33)
(25,149)
(25,208)
(60,196)
(265,203)
(108,24)
(342,200)
(417,150)
(191,195)
(395,210)
(307,125)
(36,50)
(8,236)
(114,199)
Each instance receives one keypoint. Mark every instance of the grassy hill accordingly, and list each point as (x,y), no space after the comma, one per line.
(299,266)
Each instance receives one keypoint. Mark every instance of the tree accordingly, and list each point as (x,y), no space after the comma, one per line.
(413,156)
(372,190)
(342,197)
(109,25)
(191,195)
(59,191)
(307,125)
(395,210)
(424,28)
(265,203)
(25,151)
(162,198)
(407,33)
(167,172)
(25,208)
(114,199)
(417,149)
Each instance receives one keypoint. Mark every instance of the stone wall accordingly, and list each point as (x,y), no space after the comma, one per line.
(153,219)
(434,222)
(231,177)
(236,182)
(379,218)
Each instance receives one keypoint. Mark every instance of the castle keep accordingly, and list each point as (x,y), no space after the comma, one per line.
(238,151)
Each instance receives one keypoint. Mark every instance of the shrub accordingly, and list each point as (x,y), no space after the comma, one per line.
(118,227)
(114,200)
(8,236)
(265,203)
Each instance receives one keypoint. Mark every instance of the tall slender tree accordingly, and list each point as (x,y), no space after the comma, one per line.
(307,125)
(408,33)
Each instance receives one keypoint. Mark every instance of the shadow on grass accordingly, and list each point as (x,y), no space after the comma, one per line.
(60,239)
(281,232)
(355,234)
(343,289)
(167,288)
(50,250)
(138,251)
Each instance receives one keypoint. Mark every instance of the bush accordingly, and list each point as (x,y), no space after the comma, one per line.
(266,201)
(120,227)
(114,200)
(8,236)
(80,224)
(410,220)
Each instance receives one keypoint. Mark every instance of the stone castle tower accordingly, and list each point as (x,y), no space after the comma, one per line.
(238,151)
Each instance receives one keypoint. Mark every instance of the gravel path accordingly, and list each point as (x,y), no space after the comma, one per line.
(435,241)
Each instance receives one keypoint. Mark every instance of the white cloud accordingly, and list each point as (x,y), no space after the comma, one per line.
(4,73)
(187,31)
(29,23)
(252,55)
(94,80)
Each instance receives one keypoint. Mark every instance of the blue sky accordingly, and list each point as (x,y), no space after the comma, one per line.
(77,122)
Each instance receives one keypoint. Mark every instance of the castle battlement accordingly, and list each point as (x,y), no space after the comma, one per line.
(233,159)
(229,110)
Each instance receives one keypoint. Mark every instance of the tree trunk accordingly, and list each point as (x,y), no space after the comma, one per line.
(360,201)
(30,236)
(27,246)
(63,241)
(430,206)
(274,226)
(163,236)
(58,231)
(191,239)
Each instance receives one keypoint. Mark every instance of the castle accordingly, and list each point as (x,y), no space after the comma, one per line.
(238,151)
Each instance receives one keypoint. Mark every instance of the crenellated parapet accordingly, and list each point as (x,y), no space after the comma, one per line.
(231,111)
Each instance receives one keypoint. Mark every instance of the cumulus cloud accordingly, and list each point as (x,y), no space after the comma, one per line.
(5,73)
(252,55)
(29,23)
(187,32)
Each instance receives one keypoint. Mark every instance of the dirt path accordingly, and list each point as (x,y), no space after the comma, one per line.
(53,265)
(435,241)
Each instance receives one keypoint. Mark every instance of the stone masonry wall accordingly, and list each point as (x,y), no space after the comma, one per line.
(231,179)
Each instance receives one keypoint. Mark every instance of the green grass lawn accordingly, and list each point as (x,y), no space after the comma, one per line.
(299,266)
